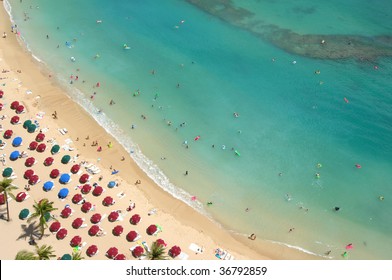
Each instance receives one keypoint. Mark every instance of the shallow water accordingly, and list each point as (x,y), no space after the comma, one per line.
(290,118)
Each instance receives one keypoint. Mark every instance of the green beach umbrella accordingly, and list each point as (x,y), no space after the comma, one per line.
(55,149)
(24,213)
(26,124)
(31,128)
(66,257)
(47,216)
(65,159)
(7,172)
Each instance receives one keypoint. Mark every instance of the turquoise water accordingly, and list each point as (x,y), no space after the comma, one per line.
(290,118)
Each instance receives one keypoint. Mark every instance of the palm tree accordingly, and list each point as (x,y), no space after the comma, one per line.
(77,256)
(26,255)
(42,208)
(157,252)
(6,187)
(44,252)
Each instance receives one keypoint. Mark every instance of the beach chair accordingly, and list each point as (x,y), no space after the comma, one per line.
(183,256)
(195,248)
(145,245)
(120,195)
(63,131)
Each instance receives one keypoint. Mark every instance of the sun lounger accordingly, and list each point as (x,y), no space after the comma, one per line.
(183,256)
(145,245)
(83,225)
(63,131)
(195,248)
(120,195)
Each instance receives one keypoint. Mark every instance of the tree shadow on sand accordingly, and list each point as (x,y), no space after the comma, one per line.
(30,231)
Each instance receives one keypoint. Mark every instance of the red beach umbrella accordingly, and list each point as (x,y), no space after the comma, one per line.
(1,106)
(86,189)
(161,242)
(28,173)
(1,93)
(96,218)
(15,120)
(66,212)
(98,190)
(75,168)
(33,145)
(21,196)
(174,251)
(135,219)
(29,162)
(77,198)
(54,173)
(107,201)
(77,223)
(40,137)
(48,161)
(86,207)
(19,109)
(92,250)
(84,178)
(117,230)
(41,148)
(112,253)
(8,134)
(33,179)
(94,229)
(132,235)
(14,105)
(120,257)
(75,241)
(55,226)
(113,216)
(61,234)
(151,229)
(138,251)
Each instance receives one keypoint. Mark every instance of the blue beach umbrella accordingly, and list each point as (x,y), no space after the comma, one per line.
(17,141)
(48,186)
(63,193)
(14,155)
(111,184)
(64,178)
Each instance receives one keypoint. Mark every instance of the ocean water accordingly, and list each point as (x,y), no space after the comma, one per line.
(192,64)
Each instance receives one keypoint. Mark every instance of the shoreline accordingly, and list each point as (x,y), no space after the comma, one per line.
(53,98)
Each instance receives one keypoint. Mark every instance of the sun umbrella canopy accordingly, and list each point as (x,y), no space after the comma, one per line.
(31,128)
(40,137)
(135,219)
(98,190)
(55,149)
(14,155)
(17,141)
(7,172)
(94,229)
(48,186)
(108,201)
(19,109)
(48,161)
(64,178)
(86,189)
(47,216)
(26,124)
(14,105)
(21,196)
(41,148)
(84,178)
(75,241)
(29,162)
(86,207)
(15,120)
(66,212)
(1,93)
(111,184)
(61,234)
(152,229)
(138,251)
(77,223)
(174,251)
(132,235)
(113,216)
(96,218)
(112,252)
(117,230)
(77,198)
(54,173)
(24,213)
(33,145)
(1,106)
(8,133)
(161,242)
(120,257)
(28,173)
(63,193)
(92,250)
(65,159)
(55,226)
(34,179)
(75,168)
(66,257)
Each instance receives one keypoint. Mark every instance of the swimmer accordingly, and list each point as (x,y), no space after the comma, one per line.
(288,197)
(99,21)
(319,165)
(381,198)
(223,147)
(73,59)
(209,203)
(252,236)
(294,62)
(318,175)
(317,72)
(336,208)
(322,42)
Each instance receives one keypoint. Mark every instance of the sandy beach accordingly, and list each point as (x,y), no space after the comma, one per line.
(24,80)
